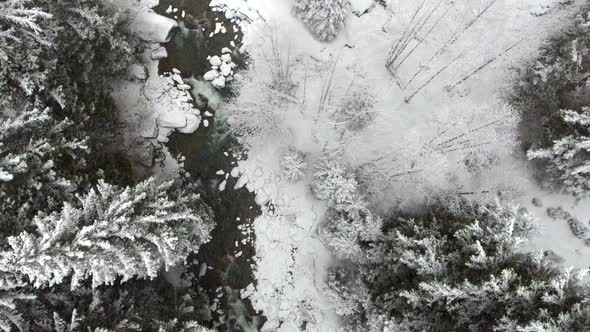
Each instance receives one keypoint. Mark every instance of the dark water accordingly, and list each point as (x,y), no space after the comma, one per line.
(189,48)
(207,153)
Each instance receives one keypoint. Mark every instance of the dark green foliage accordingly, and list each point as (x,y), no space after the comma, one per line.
(58,56)
(77,48)
(458,269)
(556,83)
(42,163)
(137,305)
(58,140)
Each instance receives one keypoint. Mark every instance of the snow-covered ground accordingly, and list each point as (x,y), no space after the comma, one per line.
(291,259)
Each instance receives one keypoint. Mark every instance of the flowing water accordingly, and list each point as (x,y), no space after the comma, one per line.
(229,255)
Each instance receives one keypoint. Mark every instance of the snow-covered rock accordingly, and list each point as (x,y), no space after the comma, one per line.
(215,61)
(211,75)
(152,27)
(192,124)
(183,86)
(226,57)
(217,28)
(137,72)
(163,134)
(360,7)
(242,181)
(159,53)
(225,50)
(222,185)
(235,172)
(205,123)
(202,270)
(177,79)
(219,82)
(172,118)
(225,69)
(540,10)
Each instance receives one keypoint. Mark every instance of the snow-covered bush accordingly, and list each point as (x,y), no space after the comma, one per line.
(293,165)
(459,268)
(569,156)
(256,110)
(324,18)
(128,233)
(333,183)
(356,111)
(350,222)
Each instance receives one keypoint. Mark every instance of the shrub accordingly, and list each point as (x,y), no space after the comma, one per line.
(324,18)
(293,165)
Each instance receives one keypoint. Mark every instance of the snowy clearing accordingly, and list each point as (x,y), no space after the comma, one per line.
(447,99)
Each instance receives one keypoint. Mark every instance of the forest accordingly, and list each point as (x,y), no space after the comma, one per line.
(294,165)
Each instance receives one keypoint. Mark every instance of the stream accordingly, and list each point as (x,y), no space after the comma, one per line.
(223,265)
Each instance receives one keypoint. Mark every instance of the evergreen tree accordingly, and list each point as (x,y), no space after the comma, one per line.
(10,317)
(136,305)
(459,269)
(324,18)
(569,156)
(16,18)
(41,160)
(131,232)
(350,224)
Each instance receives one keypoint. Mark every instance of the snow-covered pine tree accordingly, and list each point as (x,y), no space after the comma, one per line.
(14,15)
(458,269)
(41,160)
(17,19)
(569,156)
(136,305)
(127,233)
(324,18)
(10,318)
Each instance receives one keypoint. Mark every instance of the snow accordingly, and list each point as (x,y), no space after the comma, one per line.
(225,69)
(211,75)
(192,123)
(361,6)
(152,27)
(215,60)
(286,240)
(219,82)
(159,53)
